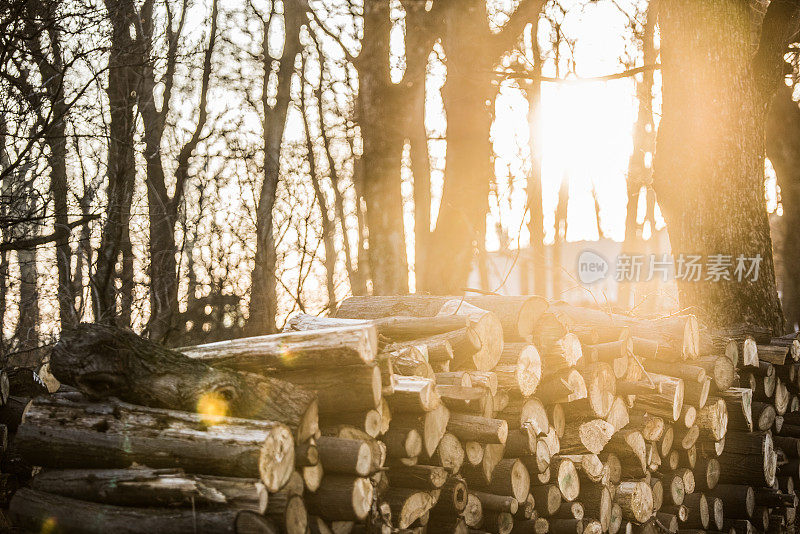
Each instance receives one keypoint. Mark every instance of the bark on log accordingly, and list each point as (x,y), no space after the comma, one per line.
(486,324)
(473,428)
(333,347)
(67,434)
(341,498)
(38,511)
(345,456)
(104,361)
(635,499)
(146,487)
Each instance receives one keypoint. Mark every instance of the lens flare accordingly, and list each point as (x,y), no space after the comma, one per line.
(49,525)
(211,406)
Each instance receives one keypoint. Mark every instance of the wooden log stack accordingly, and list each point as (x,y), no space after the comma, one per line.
(419,414)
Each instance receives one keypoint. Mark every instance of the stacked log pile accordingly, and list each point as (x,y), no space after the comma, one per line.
(419,414)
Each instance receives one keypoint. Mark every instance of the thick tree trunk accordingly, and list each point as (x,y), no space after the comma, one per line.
(709,172)
(461,222)
(380,117)
(783,150)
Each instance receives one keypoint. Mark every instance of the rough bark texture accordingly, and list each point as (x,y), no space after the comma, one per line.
(783,150)
(104,361)
(709,169)
(263,298)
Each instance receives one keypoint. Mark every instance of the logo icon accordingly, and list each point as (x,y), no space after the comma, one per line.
(591,267)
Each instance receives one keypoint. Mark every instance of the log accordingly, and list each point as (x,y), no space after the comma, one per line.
(696,393)
(473,511)
(712,420)
(547,499)
(629,446)
(587,437)
(407,360)
(68,434)
(363,392)
(673,487)
(345,456)
(424,477)
(472,400)
(35,510)
(707,472)
(564,386)
(486,324)
(774,354)
(146,487)
(650,426)
(566,478)
(738,500)
(668,401)
(402,442)
(699,514)
(474,428)
(449,454)
(288,512)
(739,402)
(618,415)
(341,498)
(763,416)
(597,503)
(104,361)
(721,370)
(370,421)
(497,503)
(332,347)
(453,497)
(521,368)
(413,394)
(635,499)
(680,333)
(560,354)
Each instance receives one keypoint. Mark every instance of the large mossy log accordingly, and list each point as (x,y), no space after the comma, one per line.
(61,433)
(104,361)
(44,512)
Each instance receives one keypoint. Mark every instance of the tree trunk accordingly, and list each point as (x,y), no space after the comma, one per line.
(263,295)
(783,150)
(461,222)
(121,164)
(380,117)
(709,172)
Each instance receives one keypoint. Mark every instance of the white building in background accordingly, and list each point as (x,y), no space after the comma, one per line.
(577,276)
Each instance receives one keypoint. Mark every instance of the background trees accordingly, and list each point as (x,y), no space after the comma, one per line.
(198,170)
